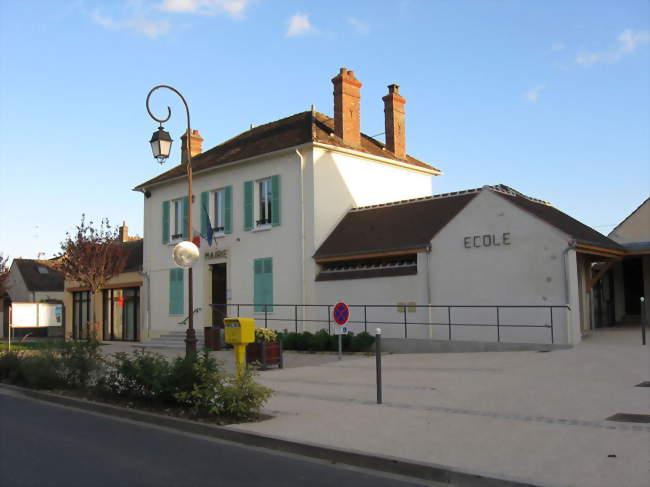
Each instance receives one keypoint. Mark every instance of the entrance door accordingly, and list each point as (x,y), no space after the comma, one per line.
(633,285)
(219,294)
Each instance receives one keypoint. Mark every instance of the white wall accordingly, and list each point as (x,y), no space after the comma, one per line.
(16,287)
(282,243)
(528,271)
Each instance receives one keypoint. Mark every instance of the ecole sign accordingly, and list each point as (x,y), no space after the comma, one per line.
(487,240)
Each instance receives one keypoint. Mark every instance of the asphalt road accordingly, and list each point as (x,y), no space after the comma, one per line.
(43,445)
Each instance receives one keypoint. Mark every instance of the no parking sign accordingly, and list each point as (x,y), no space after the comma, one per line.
(341,314)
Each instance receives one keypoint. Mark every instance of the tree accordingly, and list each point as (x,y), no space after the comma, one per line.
(91,257)
(4,273)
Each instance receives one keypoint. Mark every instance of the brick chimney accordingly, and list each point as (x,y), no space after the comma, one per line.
(197,145)
(347,101)
(123,235)
(394,119)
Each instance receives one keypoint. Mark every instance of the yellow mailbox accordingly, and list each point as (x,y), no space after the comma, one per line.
(239,333)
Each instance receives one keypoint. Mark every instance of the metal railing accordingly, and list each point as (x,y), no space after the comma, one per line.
(288,313)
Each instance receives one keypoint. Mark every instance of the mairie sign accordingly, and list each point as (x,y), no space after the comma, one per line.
(341,313)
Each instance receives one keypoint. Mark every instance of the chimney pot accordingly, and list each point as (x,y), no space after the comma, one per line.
(347,101)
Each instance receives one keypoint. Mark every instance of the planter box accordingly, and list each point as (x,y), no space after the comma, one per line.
(265,353)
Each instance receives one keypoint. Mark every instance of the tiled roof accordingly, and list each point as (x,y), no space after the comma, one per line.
(288,132)
(411,224)
(35,280)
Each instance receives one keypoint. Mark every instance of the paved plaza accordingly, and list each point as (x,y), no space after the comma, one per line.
(529,416)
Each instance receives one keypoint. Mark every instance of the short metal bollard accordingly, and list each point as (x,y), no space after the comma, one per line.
(643,322)
(378,360)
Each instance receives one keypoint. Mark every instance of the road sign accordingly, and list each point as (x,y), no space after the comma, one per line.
(341,313)
(341,330)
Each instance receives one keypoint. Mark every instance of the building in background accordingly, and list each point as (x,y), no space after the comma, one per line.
(117,304)
(33,281)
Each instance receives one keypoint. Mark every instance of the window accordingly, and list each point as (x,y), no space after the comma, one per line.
(262,203)
(263,284)
(177,219)
(80,314)
(218,210)
(176,291)
(174,219)
(265,197)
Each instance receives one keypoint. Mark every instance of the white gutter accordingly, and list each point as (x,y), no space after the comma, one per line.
(302,235)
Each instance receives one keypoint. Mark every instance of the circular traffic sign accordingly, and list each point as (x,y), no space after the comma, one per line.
(341,313)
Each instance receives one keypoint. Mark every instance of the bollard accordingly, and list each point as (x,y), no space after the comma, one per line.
(643,317)
(378,360)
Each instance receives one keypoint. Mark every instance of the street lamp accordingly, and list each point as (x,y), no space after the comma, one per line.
(185,253)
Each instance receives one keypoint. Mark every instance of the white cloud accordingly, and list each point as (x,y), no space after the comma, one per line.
(137,23)
(533,94)
(358,26)
(299,25)
(234,8)
(626,43)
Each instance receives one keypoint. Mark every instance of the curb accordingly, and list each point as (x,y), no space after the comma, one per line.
(383,463)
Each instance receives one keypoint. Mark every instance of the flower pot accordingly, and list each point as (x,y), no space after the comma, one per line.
(265,353)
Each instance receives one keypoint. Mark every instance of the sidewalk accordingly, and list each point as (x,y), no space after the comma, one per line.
(536,417)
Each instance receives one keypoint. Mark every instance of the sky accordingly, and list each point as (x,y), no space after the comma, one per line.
(549,97)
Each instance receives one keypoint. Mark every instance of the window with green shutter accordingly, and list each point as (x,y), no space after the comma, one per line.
(176,291)
(263,284)
(248,205)
(228,210)
(204,212)
(185,217)
(275,200)
(165,222)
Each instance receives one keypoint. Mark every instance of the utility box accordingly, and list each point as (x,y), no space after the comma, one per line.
(239,331)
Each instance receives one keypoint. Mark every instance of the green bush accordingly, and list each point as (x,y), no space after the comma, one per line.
(143,375)
(184,373)
(362,342)
(10,369)
(42,370)
(241,397)
(82,363)
(304,341)
(219,393)
(321,341)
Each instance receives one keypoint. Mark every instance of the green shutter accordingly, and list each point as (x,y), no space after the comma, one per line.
(248,205)
(185,214)
(203,211)
(176,291)
(275,200)
(165,222)
(228,210)
(263,284)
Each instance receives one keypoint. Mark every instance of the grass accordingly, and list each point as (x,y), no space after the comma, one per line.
(39,345)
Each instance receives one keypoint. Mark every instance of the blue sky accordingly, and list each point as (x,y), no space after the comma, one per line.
(551,98)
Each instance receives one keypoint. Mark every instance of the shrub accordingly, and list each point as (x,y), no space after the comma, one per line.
(321,341)
(82,362)
(43,370)
(304,340)
(143,375)
(10,369)
(241,397)
(362,342)
(184,373)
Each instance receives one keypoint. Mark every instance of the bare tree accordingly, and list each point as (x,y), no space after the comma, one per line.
(92,256)
(4,273)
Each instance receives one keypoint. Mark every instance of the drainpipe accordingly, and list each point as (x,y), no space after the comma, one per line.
(302,237)
(565,275)
(428,252)
(148,304)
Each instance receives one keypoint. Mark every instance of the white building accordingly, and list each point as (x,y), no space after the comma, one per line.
(32,281)
(302,217)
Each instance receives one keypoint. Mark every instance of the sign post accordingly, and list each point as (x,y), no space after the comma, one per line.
(341,314)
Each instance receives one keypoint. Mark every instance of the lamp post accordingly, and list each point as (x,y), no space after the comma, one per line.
(185,253)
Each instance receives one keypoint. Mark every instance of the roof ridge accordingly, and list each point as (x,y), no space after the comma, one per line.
(421,198)
(505,189)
